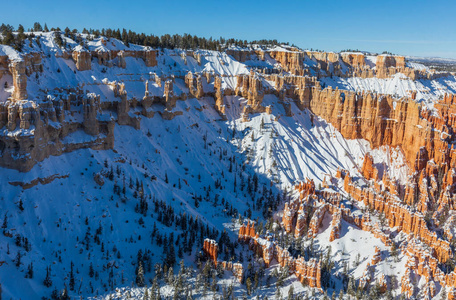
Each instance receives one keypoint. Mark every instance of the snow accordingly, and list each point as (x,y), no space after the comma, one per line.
(428,91)
(9,51)
(192,151)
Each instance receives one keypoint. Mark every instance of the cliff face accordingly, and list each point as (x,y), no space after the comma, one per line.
(83,60)
(37,137)
(425,139)
(109,58)
(291,61)
(18,72)
(382,120)
(250,87)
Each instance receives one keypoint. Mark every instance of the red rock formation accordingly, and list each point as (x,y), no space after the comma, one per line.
(377,256)
(399,215)
(83,59)
(316,220)
(168,95)
(210,248)
(291,61)
(335,226)
(33,63)
(18,72)
(199,87)
(287,218)
(219,105)
(355,60)
(308,272)
(106,57)
(368,170)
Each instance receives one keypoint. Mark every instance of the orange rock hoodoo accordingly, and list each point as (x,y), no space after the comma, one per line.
(83,60)
(308,272)
(399,215)
(210,248)
(18,72)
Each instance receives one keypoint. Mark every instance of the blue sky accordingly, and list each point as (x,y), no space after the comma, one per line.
(423,28)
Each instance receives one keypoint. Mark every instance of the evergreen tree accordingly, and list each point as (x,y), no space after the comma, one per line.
(443,294)
(29,273)
(5,223)
(72,281)
(47,280)
(140,280)
(248,285)
(91,271)
(37,27)
(146,294)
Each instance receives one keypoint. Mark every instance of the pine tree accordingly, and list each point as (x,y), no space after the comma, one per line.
(37,27)
(155,289)
(140,280)
(5,223)
(29,273)
(291,293)
(47,280)
(21,205)
(18,259)
(146,294)
(248,285)
(170,256)
(443,294)
(72,281)
(91,271)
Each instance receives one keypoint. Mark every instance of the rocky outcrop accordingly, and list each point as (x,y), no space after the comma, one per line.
(400,216)
(123,108)
(368,170)
(219,104)
(34,182)
(316,220)
(381,120)
(36,131)
(210,249)
(335,226)
(83,59)
(195,88)
(291,61)
(168,96)
(150,57)
(18,72)
(250,87)
(377,256)
(33,63)
(110,58)
(308,272)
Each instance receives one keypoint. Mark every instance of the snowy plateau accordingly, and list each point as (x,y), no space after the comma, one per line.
(263,172)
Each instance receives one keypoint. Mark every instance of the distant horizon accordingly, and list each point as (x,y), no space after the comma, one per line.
(406,28)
